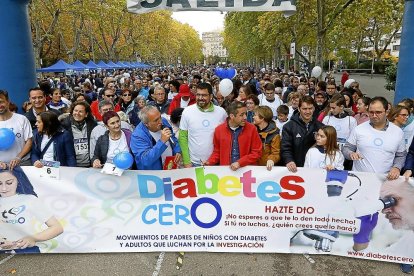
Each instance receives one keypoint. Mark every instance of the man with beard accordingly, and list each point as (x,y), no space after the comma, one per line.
(197,125)
(321,101)
(377,147)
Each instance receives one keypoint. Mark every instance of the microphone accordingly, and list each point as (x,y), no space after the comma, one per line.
(172,133)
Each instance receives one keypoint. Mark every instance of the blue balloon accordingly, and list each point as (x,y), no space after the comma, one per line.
(123,160)
(231,73)
(220,72)
(7,138)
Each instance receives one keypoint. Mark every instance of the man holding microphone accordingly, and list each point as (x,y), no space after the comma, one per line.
(153,140)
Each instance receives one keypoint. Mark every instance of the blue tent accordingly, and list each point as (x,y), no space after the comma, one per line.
(127,64)
(59,66)
(103,65)
(113,65)
(134,64)
(140,65)
(122,65)
(92,65)
(79,64)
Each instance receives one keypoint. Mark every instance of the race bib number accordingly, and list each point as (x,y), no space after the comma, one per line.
(110,168)
(81,146)
(50,169)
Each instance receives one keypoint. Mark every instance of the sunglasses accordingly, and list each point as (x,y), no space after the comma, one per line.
(110,96)
(126,95)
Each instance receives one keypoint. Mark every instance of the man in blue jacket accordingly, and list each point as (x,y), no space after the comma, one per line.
(153,140)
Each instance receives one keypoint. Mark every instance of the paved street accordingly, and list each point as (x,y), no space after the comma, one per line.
(370,86)
(203,263)
(193,264)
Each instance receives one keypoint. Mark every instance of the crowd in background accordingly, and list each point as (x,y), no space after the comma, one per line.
(180,118)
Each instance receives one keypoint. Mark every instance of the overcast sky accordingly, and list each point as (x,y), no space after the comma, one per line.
(201,21)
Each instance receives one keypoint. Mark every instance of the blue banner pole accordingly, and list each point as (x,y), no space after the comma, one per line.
(404,87)
(17,66)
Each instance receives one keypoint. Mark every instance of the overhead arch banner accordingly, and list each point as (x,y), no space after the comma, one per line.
(211,209)
(139,6)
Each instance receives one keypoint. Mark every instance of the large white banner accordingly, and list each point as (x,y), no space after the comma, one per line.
(208,209)
(139,6)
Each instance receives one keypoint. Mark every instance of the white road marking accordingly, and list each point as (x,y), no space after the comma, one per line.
(158,265)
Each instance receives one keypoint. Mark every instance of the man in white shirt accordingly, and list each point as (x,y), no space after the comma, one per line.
(376,146)
(197,125)
(270,99)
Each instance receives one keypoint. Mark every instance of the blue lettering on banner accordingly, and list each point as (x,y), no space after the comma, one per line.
(169,214)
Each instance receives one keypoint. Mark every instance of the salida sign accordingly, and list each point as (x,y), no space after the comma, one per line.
(143,6)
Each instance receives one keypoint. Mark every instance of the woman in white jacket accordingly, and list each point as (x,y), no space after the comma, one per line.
(325,154)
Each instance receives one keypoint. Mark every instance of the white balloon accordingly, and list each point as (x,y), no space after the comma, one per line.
(348,83)
(316,71)
(225,87)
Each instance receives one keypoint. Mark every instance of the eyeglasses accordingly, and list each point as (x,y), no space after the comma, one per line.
(107,109)
(126,95)
(110,96)
(377,113)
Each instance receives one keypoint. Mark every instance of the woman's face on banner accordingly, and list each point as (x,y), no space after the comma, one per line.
(8,184)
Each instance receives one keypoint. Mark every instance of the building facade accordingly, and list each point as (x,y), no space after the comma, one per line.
(213,45)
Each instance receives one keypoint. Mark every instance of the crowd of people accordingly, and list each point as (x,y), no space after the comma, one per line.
(269,119)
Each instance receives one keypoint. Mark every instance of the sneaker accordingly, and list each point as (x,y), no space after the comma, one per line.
(406,268)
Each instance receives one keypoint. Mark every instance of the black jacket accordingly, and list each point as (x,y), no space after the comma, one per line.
(102,146)
(32,118)
(297,139)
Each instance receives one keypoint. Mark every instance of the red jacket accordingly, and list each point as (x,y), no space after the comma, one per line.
(95,110)
(250,145)
(176,102)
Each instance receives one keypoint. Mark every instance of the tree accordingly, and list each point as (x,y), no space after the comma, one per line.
(103,29)
(240,36)
(326,21)
(44,17)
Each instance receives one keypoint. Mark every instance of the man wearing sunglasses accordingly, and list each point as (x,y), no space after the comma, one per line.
(108,95)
